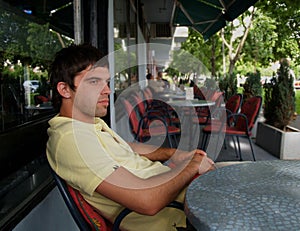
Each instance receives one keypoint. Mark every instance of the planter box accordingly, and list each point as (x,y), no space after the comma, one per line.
(284,145)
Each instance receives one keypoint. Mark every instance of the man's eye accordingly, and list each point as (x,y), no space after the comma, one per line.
(94,82)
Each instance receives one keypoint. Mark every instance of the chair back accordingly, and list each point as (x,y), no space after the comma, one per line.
(148,96)
(85,216)
(250,109)
(133,118)
(140,104)
(234,103)
(198,94)
(217,97)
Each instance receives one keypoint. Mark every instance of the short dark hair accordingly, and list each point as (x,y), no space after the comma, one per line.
(68,62)
(148,76)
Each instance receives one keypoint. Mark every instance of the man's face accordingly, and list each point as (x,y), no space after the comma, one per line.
(91,97)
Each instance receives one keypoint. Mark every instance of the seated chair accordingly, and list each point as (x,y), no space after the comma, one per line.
(204,113)
(234,103)
(141,129)
(162,111)
(85,216)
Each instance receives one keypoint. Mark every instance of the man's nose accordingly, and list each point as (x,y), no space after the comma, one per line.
(106,89)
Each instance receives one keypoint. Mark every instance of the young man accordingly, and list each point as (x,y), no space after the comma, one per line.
(110,173)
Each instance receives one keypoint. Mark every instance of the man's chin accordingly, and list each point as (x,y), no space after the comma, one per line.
(102,113)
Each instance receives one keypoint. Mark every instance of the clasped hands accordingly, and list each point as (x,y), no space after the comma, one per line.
(195,157)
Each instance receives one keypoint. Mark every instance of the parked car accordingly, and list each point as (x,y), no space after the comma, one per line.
(297,84)
(31,85)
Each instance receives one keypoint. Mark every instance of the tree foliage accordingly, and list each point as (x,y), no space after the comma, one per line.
(42,50)
(208,52)
(28,42)
(187,63)
(258,50)
(13,35)
(254,40)
(252,86)
(286,16)
(228,84)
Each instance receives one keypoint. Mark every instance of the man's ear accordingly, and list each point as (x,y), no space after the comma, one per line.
(64,90)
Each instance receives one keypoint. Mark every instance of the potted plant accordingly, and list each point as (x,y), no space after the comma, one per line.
(274,134)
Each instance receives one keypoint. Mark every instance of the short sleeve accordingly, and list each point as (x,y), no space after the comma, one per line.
(81,160)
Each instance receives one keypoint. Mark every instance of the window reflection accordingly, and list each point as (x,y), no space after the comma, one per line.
(124,36)
(26,51)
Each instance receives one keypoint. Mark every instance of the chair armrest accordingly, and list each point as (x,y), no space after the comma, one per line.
(126,211)
(236,116)
(120,217)
(176,205)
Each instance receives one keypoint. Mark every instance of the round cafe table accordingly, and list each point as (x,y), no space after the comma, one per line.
(190,130)
(262,195)
(190,103)
(172,96)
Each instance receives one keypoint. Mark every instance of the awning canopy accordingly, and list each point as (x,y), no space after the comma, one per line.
(208,16)
(58,13)
(205,16)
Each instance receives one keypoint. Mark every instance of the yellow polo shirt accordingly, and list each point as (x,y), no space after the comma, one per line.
(85,154)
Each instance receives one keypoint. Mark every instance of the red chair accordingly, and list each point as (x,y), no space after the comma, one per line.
(238,124)
(85,216)
(234,103)
(148,97)
(204,113)
(162,111)
(141,129)
(155,102)
(198,94)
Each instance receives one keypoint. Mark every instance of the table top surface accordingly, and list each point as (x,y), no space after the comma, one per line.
(191,103)
(42,107)
(173,95)
(262,195)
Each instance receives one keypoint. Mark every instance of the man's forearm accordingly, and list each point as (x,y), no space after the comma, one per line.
(152,152)
(146,196)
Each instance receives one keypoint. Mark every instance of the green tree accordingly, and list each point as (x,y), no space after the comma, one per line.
(208,52)
(235,37)
(187,63)
(29,42)
(13,35)
(286,15)
(255,39)
(258,49)
(42,50)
